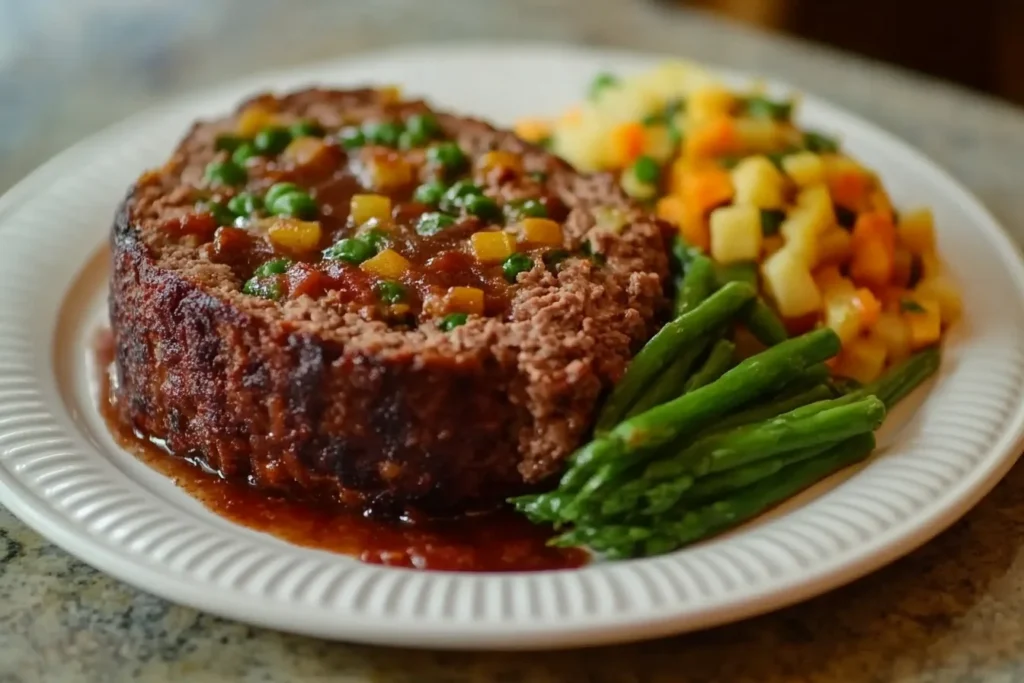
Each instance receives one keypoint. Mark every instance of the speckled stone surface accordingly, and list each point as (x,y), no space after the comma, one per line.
(952,611)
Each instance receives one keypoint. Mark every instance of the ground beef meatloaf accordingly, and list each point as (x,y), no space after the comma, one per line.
(340,293)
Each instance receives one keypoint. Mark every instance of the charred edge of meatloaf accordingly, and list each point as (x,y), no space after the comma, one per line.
(300,400)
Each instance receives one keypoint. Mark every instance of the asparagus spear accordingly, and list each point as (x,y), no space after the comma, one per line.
(718,361)
(658,353)
(634,440)
(663,535)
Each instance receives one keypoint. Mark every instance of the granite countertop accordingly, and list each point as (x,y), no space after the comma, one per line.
(948,612)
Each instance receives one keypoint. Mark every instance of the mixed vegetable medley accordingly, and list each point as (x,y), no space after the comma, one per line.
(391,217)
(769,203)
(723,414)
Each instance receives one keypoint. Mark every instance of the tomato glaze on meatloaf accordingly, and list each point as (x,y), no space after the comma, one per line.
(343,294)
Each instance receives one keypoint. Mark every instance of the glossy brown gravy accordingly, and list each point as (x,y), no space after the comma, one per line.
(495,542)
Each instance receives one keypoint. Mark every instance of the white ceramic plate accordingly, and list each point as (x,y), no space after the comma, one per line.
(61,473)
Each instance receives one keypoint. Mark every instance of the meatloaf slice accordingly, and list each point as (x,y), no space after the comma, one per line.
(281,341)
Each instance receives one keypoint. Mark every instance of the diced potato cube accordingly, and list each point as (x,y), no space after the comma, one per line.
(364,208)
(294,235)
(465,300)
(736,234)
(387,264)
(387,171)
(789,281)
(500,159)
(862,359)
(945,294)
(916,231)
(759,135)
(709,102)
(843,317)
(541,231)
(892,330)
(758,183)
(253,119)
(807,221)
(305,151)
(492,246)
(805,168)
(830,280)
(925,325)
(834,246)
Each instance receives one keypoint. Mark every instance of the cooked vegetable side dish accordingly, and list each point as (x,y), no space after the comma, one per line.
(350,299)
(769,203)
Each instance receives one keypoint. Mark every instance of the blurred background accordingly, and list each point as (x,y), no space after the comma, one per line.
(70,67)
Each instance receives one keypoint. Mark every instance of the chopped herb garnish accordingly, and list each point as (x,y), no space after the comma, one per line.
(765,108)
(820,144)
(911,306)
(600,82)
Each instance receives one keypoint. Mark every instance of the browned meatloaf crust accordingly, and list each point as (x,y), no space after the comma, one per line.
(305,397)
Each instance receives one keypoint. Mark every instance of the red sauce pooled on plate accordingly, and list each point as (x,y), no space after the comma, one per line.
(501,541)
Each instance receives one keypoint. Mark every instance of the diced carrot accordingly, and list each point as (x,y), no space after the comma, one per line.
(849,188)
(704,189)
(890,297)
(874,244)
(715,138)
(868,306)
(903,266)
(671,208)
(872,225)
(627,143)
(695,229)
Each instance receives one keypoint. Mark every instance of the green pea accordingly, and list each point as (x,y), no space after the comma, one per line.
(456,196)
(553,259)
(297,204)
(433,223)
(352,138)
(452,320)
(245,151)
(647,170)
(525,208)
(600,82)
(225,173)
(350,250)
(245,204)
(222,214)
(384,133)
(771,221)
(278,190)
(424,125)
(377,239)
(307,128)
(429,193)
(390,292)
(411,140)
(820,144)
(765,108)
(515,264)
(483,207)
(263,287)
(272,141)
(228,142)
(448,156)
(275,266)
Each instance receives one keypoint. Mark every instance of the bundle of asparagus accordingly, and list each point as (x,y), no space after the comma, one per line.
(688,444)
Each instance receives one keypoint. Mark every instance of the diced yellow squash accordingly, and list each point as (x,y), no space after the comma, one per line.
(659,144)
(532,129)
(500,159)
(305,151)
(805,168)
(789,281)
(493,246)
(892,330)
(942,290)
(842,316)
(925,325)
(387,172)
(294,235)
(916,231)
(862,359)
(465,300)
(387,264)
(758,183)
(364,208)
(736,234)
(834,246)
(759,135)
(709,102)
(253,119)
(541,231)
